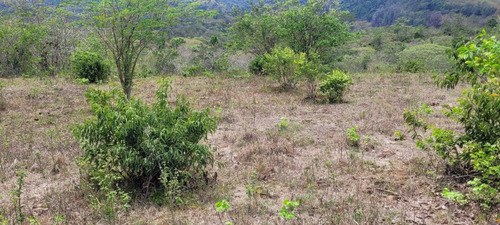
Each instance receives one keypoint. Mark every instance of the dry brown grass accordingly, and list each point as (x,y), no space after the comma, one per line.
(382,182)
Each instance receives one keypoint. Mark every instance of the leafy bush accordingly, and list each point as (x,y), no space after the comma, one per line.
(194,70)
(130,145)
(90,65)
(477,149)
(257,65)
(2,99)
(283,65)
(335,85)
(424,58)
(352,137)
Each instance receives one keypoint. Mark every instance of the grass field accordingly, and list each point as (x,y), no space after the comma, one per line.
(383,181)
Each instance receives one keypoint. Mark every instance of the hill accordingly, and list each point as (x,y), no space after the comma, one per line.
(418,12)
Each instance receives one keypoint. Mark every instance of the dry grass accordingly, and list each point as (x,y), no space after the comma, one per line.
(382,182)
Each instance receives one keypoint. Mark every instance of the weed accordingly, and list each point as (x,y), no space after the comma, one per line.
(287,210)
(34,221)
(16,195)
(283,124)
(3,221)
(399,136)
(358,216)
(252,188)
(455,196)
(59,219)
(353,137)
(222,206)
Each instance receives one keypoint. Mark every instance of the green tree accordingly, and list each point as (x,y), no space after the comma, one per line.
(313,28)
(256,30)
(127,27)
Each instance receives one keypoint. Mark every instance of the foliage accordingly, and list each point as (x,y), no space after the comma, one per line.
(288,208)
(283,124)
(131,145)
(257,65)
(91,66)
(477,150)
(424,58)
(335,85)
(283,65)
(127,27)
(313,28)
(16,195)
(352,137)
(221,206)
(35,39)
(310,70)
(2,98)
(455,196)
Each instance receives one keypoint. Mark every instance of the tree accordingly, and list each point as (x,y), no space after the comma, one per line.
(127,27)
(257,29)
(313,28)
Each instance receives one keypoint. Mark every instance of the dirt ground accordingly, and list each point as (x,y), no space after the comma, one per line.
(383,181)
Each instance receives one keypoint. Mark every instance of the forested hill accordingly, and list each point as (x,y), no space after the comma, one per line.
(386,12)
(418,12)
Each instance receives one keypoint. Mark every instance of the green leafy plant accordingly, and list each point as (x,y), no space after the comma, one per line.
(3,221)
(352,137)
(455,196)
(288,208)
(477,149)
(283,65)
(129,145)
(90,66)
(59,219)
(16,195)
(222,206)
(399,136)
(283,124)
(335,85)
(34,221)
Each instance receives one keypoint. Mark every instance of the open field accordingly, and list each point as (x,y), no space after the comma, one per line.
(383,181)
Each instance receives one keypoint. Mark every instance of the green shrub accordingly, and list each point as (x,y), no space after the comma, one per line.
(283,65)
(90,65)
(194,70)
(475,152)
(257,65)
(129,145)
(335,85)
(424,58)
(352,137)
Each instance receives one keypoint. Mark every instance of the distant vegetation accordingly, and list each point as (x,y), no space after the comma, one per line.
(133,150)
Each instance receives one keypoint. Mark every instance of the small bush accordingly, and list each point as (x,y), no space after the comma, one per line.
(90,65)
(194,70)
(129,145)
(283,65)
(335,85)
(257,65)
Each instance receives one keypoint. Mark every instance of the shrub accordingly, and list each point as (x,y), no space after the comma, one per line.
(90,65)
(424,58)
(283,65)
(257,65)
(335,85)
(477,149)
(130,145)
(194,70)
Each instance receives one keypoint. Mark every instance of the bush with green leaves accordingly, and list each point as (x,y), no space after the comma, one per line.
(257,65)
(424,58)
(335,85)
(475,152)
(129,145)
(283,65)
(90,65)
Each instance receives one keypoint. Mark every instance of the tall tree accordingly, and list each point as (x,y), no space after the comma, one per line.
(127,27)
(313,28)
